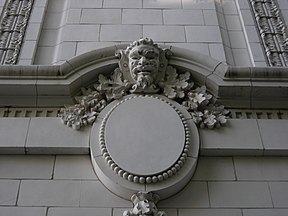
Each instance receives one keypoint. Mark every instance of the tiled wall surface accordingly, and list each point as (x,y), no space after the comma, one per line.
(210,27)
(67,185)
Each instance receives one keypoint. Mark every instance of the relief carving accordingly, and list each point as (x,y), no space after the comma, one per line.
(144,203)
(143,69)
(272,30)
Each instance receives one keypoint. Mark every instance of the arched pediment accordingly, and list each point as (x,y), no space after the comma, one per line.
(38,85)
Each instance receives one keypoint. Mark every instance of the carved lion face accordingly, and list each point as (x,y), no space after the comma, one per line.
(144,63)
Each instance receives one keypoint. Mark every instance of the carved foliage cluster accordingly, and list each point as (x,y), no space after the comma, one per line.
(273,31)
(14,20)
(176,86)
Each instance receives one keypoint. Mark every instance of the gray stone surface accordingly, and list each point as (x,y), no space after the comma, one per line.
(265,212)
(215,169)
(261,168)
(239,194)
(8,192)
(194,195)
(79,211)
(240,137)
(274,135)
(151,130)
(183,17)
(162,4)
(73,167)
(142,16)
(120,32)
(203,34)
(13,132)
(81,32)
(279,193)
(26,167)
(165,33)
(122,3)
(210,212)
(101,16)
(49,193)
(23,211)
(94,194)
(40,140)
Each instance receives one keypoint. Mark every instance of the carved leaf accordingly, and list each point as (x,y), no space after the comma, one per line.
(174,84)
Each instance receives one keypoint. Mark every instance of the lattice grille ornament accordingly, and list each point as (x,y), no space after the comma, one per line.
(14,20)
(273,31)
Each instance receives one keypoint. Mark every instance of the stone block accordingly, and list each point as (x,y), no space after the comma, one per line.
(86,4)
(67,50)
(247,17)
(122,4)
(214,169)
(9,191)
(279,193)
(252,34)
(79,211)
(229,7)
(239,194)
(101,16)
(120,32)
(203,4)
(217,51)
(57,6)
(237,39)
(45,55)
(203,34)
(210,212)
(210,17)
(194,195)
(73,167)
(238,137)
(13,132)
(94,194)
(142,16)
(233,23)
(261,168)
(242,57)
(24,167)
(257,52)
(40,3)
(53,20)
(83,47)
(50,135)
(265,212)
(73,16)
(197,47)
(283,4)
(49,193)
(81,32)
(162,4)
(162,33)
(37,15)
(274,136)
(183,17)
(33,31)
(29,49)
(23,211)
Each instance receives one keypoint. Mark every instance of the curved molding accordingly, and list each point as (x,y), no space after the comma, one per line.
(37,85)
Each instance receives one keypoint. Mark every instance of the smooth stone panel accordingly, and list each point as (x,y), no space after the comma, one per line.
(24,166)
(8,192)
(151,130)
(210,212)
(279,193)
(49,135)
(13,132)
(79,212)
(22,211)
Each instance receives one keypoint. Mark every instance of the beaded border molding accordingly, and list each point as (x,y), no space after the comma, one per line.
(272,30)
(149,178)
(14,21)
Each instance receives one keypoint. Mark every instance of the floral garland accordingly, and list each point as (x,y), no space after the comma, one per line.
(201,105)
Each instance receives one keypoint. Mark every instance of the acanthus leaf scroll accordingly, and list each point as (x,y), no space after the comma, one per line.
(143,69)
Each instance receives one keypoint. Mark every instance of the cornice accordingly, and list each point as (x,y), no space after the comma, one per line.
(236,87)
